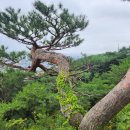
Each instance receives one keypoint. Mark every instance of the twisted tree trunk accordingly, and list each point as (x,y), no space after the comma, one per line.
(56,58)
(39,55)
(108,107)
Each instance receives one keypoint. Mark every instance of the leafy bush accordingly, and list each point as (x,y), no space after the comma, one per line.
(11,81)
(33,108)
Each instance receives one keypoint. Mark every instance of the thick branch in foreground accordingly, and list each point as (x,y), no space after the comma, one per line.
(108,107)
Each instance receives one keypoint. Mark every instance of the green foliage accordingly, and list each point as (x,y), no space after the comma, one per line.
(33,108)
(11,81)
(13,56)
(35,105)
(91,92)
(47,24)
(123,119)
(67,97)
(100,63)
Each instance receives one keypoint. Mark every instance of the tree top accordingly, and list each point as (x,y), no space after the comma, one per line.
(47,26)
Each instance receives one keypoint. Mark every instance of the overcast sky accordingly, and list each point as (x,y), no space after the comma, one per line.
(109,24)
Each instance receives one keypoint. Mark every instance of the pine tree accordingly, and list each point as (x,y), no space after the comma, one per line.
(47,28)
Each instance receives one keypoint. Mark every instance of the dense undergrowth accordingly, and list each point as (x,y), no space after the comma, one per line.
(34,105)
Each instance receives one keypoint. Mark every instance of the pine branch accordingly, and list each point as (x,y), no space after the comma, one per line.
(74,74)
(13,66)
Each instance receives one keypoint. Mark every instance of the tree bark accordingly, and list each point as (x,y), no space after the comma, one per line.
(63,67)
(108,107)
(56,58)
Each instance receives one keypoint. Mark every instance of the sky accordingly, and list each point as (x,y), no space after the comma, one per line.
(108,29)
